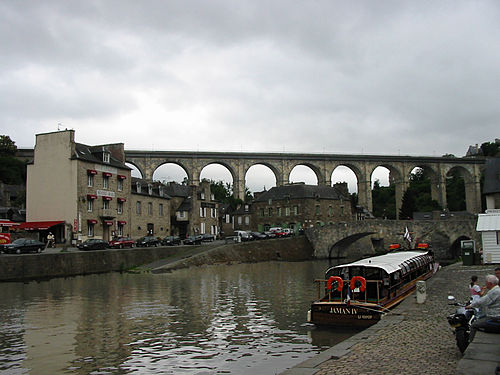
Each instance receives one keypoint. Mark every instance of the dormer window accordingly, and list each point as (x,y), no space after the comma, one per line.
(138,186)
(160,191)
(150,189)
(105,157)
(202,196)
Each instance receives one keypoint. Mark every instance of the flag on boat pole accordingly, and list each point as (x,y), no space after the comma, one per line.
(407,235)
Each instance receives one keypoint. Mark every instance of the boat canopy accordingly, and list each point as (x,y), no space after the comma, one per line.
(390,262)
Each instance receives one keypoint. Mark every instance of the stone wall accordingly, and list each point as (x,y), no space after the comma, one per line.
(40,266)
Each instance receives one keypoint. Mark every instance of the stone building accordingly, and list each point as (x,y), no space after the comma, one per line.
(83,189)
(193,209)
(150,209)
(296,206)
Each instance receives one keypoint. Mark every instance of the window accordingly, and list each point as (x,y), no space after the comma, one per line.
(318,209)
(160,209)
(295,210)
(270,201)
(138,186)
(202,196)
(246,207)
(287,211)
(138,208)
(105,204)
(240,219)
(212,197)
(203,211)
(213,229)
(150,189)
(247,220)
(262,212)
(330,211)
(228,218)
(278,211)
(202,228)
(270,211)
(90,180)
(105,182)
(150,208)
(105,157)
(342,210)
(213,212)
(90,230)
(182,214)
(120,230)
(120,184)
(119,207)
(160,191)
(90,205)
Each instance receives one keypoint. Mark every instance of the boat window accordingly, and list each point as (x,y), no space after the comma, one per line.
(372,273)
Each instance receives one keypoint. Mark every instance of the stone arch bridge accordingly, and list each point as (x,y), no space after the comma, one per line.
(358,238)
(323,165)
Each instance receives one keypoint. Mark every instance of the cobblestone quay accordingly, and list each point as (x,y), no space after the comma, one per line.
(413,338)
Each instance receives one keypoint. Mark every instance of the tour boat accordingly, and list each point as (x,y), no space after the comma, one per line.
(358,294)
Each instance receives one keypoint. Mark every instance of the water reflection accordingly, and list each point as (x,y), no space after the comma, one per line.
(238,319)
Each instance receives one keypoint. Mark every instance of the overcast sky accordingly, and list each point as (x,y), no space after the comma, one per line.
(372,77)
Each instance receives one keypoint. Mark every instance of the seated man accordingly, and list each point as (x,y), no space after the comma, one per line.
(489,303)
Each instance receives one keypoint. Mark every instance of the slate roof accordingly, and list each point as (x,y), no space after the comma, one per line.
(300,191)
(145,189)
(492,176)
(93,154)
(177,190)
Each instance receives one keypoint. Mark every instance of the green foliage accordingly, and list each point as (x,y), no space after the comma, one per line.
(455,192)
(490,148)
(384,201)
(12,171)
(223,192)
(417,198)
(7,146)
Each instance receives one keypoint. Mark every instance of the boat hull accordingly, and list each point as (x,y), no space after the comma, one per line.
(335,314)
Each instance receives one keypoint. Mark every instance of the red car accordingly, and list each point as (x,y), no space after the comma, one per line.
(121,242)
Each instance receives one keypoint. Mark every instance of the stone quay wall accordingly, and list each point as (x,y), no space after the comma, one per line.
(72,263)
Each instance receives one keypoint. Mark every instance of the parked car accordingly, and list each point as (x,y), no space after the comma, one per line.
(258,235)
(171,241)
(278,232)
(270,234)
(23,245)
(193,240)
(121,242)
(288,231)
(93,244)
(148,241)
(207,237)
(243,235)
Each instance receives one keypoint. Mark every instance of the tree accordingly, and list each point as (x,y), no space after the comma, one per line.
(455,192)
(418,198)
(384,201)
(7,146)
(223,192)
(490,148)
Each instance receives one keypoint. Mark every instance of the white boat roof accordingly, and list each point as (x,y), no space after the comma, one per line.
(388,262)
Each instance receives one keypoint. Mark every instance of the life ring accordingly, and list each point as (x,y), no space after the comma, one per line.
(338,280)
(361,280)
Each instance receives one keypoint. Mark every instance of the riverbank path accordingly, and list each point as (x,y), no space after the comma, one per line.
(414,339)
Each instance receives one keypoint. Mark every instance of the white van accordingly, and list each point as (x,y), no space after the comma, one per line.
(242,235)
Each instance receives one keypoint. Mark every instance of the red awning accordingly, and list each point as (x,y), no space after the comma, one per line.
(121,177)
(122,222)
(39,225)
(108,222)
(91,196)
(121,199)
(107,174)
(8,223)
(92,221)
(106,198)
(91,171)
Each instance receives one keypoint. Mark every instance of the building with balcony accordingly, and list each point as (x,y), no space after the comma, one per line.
(85,189)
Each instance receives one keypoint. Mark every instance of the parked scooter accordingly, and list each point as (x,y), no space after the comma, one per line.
(461,321)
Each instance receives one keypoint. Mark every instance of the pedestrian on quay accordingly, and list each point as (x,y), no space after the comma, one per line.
(489,304)
(475,290)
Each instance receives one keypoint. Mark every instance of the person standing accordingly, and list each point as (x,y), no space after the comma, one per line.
(489,303)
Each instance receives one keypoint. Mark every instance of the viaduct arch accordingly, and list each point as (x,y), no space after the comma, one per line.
(323,165)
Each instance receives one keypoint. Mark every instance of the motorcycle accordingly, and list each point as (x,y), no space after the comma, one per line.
(461,322)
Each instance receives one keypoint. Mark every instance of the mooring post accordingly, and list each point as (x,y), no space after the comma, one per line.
(421,291)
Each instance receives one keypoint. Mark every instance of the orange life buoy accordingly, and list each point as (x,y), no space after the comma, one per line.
(332,279)
(361,280)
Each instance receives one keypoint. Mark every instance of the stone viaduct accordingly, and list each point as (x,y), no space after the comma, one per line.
(323,165)
(339,240)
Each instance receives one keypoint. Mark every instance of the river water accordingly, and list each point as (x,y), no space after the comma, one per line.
(227,319)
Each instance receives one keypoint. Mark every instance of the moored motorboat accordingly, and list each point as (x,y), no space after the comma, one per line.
(358,294)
